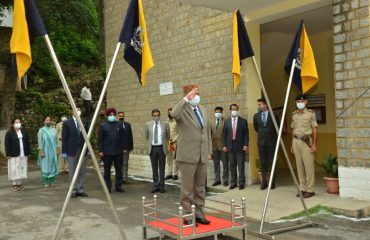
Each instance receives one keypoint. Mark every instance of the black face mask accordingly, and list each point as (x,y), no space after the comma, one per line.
(169,116)
(121,119)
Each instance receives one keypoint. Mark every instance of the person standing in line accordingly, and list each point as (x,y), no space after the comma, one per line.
(62,162)
(173,166)
(72,143)
(217,132)
(48,153)
(194,149)
(236,138)
(87,99)
(304,137)
(111,141)
(128,144)
(17,150)
(266,140)
(157,134)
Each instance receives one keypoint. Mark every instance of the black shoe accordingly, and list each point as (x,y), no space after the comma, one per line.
(273,186)
(232,186)
(83,194)
(161,190)
(202,221)
(241,187)
(216,183)
(175,177)
(263,186)
(303,192)
(189,222)
(168,177)
(119,189)
(154,190)
(308,194)
(74,195)
(226,183)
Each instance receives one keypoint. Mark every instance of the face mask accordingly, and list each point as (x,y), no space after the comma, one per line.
(218,115)
(169,116)
(47,124)
(301,105)
(234,113)
(195,101)
(64,119)
(79,113)
(17,125)
(121,119)
(156,119)
(111,118)
(259,109)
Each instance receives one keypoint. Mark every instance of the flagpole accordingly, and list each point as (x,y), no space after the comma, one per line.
(281,144)
(277,144)
(87,142)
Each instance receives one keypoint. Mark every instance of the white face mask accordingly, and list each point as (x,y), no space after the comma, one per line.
(218,115)
(195,101)
(64,119)
(17,125)
(301,105)
(79,113)
(234,113)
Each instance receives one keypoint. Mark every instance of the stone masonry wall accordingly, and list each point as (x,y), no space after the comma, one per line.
(352,77)
(189,44)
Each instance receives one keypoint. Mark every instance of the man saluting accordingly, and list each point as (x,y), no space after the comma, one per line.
(194,148)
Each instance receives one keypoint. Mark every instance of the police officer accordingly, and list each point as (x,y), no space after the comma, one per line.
(304,136)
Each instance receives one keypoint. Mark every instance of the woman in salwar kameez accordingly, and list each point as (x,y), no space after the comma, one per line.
(17,148)
(48,153)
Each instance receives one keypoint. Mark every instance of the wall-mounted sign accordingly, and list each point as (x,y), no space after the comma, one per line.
(166,88)
(318,99)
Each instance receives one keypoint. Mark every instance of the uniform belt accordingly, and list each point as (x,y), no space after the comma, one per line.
(301,137)
(157,145)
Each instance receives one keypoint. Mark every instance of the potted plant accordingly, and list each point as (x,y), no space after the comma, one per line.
(330,166)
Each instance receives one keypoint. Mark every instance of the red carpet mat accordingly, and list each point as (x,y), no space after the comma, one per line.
(216,224)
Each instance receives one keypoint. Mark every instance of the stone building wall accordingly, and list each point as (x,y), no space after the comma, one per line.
(189,44)
(352,77)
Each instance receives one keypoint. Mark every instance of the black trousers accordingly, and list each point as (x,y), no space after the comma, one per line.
(88,107)
(158,160)
(237,163)
(266,158)
(118,163)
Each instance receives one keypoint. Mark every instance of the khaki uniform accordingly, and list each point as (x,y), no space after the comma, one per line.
(173,166)
(302,125)
(62,164)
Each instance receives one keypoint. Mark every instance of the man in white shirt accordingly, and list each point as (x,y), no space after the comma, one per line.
(157,133)
(87,98)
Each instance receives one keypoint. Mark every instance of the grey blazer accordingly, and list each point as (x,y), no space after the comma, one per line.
(165,128)
(194,144)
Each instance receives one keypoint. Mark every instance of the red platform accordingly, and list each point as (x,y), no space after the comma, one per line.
(215,225)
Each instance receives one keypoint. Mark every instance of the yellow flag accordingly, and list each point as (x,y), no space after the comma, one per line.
(147,60)
(20,41)
(309,74)
(236,58)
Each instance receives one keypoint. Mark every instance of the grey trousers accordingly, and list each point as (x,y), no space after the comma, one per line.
(237,163)
(72,163)
(219,156)
(126,157)
(158,159)
(193,180)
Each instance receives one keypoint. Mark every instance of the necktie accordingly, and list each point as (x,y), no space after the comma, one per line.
(156,132)
(234,128)
(198,117)
(217,123)
(264,119)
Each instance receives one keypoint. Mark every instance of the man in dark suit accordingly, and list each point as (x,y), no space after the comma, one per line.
(72,143)
(266,140)
(128,143)
(111,147)
(157,134)
(236,138)
(217,132)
